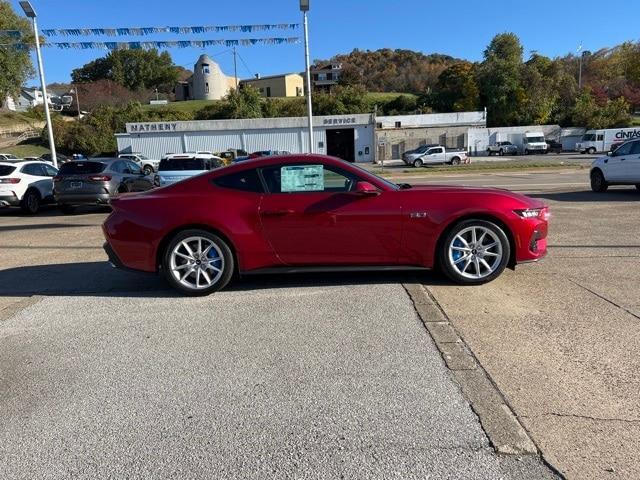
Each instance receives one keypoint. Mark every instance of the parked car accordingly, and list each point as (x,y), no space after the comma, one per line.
(46,157)
(26,184)
(180,166)
(502,148)
(148,166)
(267,153)
(620,167)
(434,155)
(318,213)
(554,147)
(7,156)
(97,181)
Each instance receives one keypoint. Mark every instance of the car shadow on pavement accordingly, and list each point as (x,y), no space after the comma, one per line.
(100,279)
(618,195)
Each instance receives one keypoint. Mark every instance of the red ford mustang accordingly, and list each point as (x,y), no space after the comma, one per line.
(312,212)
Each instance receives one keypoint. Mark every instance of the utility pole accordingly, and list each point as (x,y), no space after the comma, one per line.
(78,100)
(31,13)
(304,8)
(235,67)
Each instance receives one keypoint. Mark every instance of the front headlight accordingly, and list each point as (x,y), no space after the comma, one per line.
(541,213)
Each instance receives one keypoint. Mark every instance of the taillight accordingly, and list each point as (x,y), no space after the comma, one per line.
(12,181)
(99,178)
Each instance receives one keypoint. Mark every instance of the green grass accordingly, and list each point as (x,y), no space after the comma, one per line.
(26,150)
(476,167)
(195,105)
(10,119)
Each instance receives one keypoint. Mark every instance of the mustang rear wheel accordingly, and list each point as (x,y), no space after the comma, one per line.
(198,262)
(474,252)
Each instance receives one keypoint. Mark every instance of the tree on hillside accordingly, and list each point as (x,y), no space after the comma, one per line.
(456,90)
(133,69)
(15,64)
(499,78)
(388,70)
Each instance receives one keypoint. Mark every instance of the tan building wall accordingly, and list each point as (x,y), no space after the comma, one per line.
(291,85)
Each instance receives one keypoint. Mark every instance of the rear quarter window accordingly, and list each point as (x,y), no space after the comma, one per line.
(6,170)
(247,181)
(73,168)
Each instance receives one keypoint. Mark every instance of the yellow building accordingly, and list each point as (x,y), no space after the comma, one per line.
(286,85)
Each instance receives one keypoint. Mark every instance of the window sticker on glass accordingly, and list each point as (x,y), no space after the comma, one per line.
(302,178)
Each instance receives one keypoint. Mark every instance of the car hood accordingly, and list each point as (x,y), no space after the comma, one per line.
(489,192)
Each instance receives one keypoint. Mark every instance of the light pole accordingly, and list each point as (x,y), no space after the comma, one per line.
(580,68)
(304,8)
(31,13)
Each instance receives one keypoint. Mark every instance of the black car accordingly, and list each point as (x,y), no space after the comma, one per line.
(46,157)
(554,147)
(97,181)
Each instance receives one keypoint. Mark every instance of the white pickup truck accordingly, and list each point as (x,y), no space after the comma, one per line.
(147,165)
(433,155)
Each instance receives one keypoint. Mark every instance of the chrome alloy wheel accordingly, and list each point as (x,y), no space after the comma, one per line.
(197,263)
(475,252)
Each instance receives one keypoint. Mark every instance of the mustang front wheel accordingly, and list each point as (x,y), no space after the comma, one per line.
(198,262)
(474,252)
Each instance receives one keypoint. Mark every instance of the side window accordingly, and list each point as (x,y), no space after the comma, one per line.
(133,166)
(635,148)
(247,181)
(51,172)
(624,149)
(600,137)
(299,178)
(118,167)
(32,169)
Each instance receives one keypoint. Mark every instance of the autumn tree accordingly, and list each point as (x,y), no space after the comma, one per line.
(15,63)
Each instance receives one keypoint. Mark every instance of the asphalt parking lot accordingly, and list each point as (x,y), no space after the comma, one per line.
(109,374)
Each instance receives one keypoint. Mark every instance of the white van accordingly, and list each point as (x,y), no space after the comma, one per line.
(606,140)
(533,142)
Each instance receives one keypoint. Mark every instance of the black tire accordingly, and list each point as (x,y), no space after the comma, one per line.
(489,153)
(598,182)
(30,202)
(638,186)
(501,153)
(453,273)
(227,269)
(67,209)
(148,170)
(455,161)
(417,163)
(526,152)
(591,151)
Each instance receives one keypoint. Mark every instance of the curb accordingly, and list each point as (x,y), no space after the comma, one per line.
(498,421)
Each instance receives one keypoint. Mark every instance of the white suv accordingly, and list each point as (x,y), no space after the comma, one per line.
(620,167)
(147,165)
(26,184)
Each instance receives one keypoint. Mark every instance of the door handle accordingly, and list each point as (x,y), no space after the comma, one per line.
(277,213)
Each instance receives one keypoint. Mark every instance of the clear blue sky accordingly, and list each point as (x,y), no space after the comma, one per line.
(461,28)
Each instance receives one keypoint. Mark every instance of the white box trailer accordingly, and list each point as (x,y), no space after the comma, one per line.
(529,142)
(597,141)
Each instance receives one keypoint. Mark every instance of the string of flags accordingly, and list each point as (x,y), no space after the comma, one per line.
(161,44)
(140,31)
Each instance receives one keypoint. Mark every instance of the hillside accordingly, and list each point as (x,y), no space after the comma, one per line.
(388,70)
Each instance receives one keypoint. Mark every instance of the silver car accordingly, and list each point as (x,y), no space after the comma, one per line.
(97,181)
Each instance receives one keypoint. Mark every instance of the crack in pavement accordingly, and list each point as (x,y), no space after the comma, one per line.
(583,417)
(605,299)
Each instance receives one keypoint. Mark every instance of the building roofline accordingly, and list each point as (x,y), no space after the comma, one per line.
(270,77)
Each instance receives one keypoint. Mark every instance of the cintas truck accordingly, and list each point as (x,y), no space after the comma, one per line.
(600,141)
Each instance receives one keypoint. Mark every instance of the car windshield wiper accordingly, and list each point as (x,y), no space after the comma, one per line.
(404,186)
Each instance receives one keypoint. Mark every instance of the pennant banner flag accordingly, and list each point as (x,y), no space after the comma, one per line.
(139,31)
(245,42)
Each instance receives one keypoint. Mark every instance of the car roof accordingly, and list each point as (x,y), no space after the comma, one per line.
(97,159)
(20,163)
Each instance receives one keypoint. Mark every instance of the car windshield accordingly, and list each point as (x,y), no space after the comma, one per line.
(589,137)
(72,168)
(142,157)
(535,139)
(380,179)
(176,164)
(6,170)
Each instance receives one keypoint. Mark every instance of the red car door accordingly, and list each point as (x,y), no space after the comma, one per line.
(311,215)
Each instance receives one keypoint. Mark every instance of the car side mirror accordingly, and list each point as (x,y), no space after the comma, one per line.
(365,188)
(609,154)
